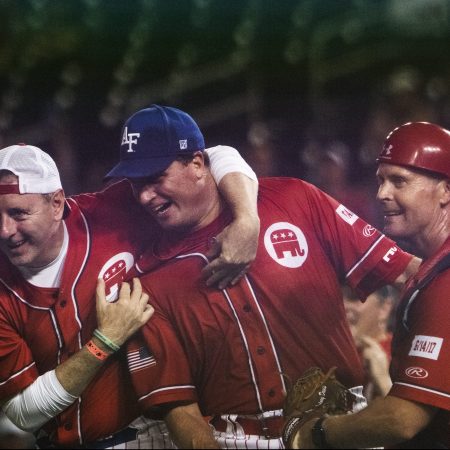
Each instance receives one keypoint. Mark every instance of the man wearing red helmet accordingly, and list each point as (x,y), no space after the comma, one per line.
(414,190)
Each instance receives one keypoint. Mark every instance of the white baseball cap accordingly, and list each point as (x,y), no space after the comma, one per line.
(35,169)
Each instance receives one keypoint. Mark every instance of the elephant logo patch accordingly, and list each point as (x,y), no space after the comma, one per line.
(286,244)
(113,273)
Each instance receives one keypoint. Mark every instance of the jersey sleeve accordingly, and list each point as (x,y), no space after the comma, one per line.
(421,361)
(225,160)
(116,206)
(17,367)
(158,365)
(362,256)
(118,194)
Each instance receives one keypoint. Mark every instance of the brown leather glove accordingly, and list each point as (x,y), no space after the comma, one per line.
(315,394)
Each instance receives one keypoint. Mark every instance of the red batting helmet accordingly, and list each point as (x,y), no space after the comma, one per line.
(420,145)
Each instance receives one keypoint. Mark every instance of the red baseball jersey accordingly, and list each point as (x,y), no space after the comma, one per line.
(42,327)
(420,368)
(232,350)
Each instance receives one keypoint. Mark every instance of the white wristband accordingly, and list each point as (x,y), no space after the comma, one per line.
(225,160)
(44,399)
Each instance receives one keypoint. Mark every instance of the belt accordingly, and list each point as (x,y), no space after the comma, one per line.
(126,435)
(270,427)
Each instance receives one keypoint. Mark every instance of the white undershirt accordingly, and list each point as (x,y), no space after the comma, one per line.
(48,276)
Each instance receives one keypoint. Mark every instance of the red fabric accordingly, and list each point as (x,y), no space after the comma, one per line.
(9,189)
(231,349)
(386,344)
(419,371)
(40,328)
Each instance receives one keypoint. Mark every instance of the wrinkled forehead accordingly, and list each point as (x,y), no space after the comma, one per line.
(387,169)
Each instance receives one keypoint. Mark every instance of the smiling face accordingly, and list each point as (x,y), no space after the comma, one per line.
(180,198)
(30,226)
(413,204)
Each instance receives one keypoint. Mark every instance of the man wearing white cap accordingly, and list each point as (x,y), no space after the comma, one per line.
(60,369)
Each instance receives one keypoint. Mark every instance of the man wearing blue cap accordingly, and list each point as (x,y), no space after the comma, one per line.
(223,353)
(155,137)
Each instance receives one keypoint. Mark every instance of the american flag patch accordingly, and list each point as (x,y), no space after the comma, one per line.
(140,359)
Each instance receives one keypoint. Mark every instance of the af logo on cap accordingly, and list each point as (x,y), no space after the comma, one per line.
(113,273)
(286,244)
(130,139)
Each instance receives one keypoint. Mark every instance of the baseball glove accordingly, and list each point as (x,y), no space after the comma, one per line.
(315,394)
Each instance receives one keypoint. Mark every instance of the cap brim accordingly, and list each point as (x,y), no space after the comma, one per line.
(139,168)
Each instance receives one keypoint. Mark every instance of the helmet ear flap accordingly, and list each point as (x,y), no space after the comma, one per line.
(420,145)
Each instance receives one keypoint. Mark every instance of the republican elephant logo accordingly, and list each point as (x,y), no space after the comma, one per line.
(285,240)
(286,244)
(113,273)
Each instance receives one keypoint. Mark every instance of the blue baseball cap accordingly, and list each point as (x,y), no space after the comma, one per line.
(152,139)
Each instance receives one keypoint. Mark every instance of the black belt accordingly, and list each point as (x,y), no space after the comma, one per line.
(125,435)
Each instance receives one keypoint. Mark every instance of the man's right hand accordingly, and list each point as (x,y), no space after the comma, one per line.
(120,320)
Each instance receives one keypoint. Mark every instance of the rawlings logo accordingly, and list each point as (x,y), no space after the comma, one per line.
(416,372)
(369,230)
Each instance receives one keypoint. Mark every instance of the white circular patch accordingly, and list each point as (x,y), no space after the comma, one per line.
(416,372)
(113,273)
(286,244)
(369,230)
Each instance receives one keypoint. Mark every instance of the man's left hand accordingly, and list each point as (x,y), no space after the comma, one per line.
(232,252)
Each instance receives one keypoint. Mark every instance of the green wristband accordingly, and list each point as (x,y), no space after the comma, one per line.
(110,344)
